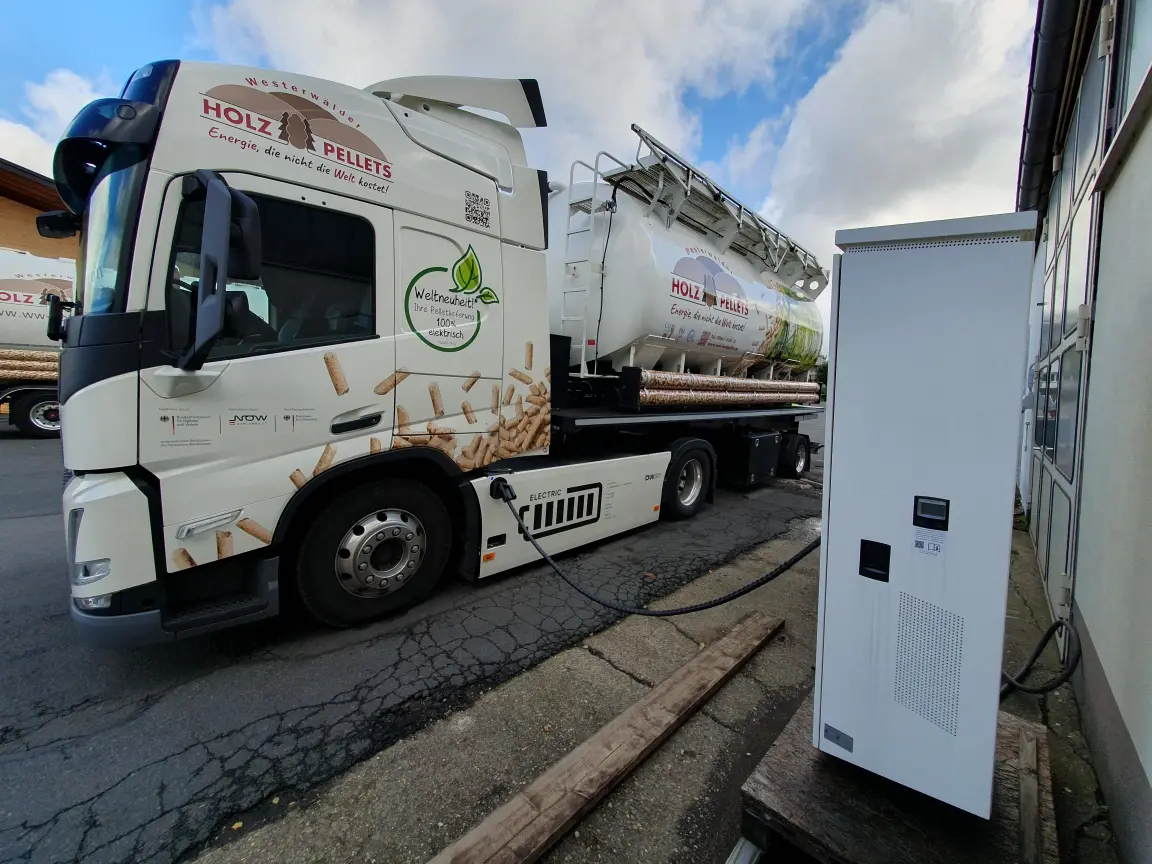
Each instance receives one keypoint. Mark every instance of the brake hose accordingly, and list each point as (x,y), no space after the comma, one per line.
(503,490)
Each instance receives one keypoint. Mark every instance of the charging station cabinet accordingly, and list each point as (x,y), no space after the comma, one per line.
(927,357)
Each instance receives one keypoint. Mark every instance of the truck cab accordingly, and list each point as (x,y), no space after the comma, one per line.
(291,293)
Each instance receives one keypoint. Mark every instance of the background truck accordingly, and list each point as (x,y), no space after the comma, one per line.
(315,321)
(28,358)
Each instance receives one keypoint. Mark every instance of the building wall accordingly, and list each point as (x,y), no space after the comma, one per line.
(1114,564)
(18,231)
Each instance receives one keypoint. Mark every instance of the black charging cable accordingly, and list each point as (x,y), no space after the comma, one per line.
(1016,682)
(502,490)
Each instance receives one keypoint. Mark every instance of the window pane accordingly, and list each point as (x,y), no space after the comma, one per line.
(316,283)
(1077,264)
(1042,513)
(1138,51)
(1067,166)
(1061,509)
(1046,316)
(1052,404)
(1059,290)
(1088,126)
(1053,224)
(1069,406)
(1040,414)
(1034,501)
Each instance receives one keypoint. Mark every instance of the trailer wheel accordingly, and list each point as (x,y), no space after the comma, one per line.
(37,415)
(374,550)
(687,483)
(795,456)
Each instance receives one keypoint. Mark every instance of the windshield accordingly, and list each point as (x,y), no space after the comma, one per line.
(107,235)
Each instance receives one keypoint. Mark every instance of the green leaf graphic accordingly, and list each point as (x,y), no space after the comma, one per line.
(488,296)
(466,274)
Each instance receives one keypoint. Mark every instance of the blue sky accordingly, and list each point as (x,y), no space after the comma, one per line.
(110,37)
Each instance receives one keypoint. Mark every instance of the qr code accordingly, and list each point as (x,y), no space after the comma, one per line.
(919,544)
(477,210)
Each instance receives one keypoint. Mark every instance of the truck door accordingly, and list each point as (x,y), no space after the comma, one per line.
(450,324)
(292,387)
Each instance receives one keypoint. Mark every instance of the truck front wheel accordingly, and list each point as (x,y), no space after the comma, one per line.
(37,415)
(373,550)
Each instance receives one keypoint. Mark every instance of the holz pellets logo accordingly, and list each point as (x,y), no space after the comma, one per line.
(302,120)
(443,305)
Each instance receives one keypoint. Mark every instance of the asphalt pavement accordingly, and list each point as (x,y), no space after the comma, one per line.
(141,755)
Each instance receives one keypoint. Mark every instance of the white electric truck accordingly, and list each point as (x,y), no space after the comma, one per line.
(311,322)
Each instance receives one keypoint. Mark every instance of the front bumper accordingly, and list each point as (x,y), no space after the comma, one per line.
(120,631)
(149,606)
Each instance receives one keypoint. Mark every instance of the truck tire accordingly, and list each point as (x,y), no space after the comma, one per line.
(795,456)
(686,484)
(37,415)
(373,550)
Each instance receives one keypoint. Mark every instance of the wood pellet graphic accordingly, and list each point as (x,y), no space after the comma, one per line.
(521,408)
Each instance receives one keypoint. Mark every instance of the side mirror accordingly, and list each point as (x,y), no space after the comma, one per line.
(57,225)
(56,308)
(227,212)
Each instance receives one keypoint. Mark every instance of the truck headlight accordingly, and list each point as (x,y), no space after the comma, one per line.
(83,572)
(100,601)
(86,572)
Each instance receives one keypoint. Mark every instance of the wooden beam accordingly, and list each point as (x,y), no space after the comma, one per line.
(525,827)
(1029,800)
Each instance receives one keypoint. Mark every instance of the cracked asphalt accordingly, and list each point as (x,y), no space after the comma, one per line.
(141,755)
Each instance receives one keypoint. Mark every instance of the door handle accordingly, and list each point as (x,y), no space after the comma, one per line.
(359,423)
(168,382)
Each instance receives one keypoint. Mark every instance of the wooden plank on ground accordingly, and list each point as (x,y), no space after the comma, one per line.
(525,827)
(838,813)
(1029,800)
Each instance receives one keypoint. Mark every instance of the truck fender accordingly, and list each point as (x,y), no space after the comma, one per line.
(680,445)
(11,393)
(425,464)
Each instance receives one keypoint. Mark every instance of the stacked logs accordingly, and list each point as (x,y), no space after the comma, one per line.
(29,365)
(685,388)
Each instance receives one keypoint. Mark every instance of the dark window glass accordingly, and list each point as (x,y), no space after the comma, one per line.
(316,284)
(1069,407)
(1077,264)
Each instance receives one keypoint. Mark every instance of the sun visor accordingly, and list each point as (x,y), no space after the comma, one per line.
(100,129)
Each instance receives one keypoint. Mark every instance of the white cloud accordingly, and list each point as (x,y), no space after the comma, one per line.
(49,106)
(918,118)
(602,64)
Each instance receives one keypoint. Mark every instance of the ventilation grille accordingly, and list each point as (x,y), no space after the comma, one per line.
(929,652)
(936,244)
